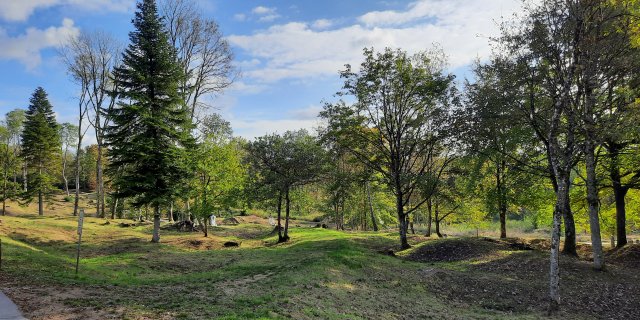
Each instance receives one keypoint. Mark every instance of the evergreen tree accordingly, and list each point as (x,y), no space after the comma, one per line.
(40,147)
(151,126)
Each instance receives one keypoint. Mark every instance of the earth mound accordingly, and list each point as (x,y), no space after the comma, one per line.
(628,256)
(465,249)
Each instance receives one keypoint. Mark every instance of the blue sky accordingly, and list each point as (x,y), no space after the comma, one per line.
(289,52)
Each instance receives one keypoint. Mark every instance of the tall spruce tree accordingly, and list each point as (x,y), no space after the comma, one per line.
(40,146)
(151,126)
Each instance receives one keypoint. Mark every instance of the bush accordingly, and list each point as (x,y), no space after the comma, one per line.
(68,198)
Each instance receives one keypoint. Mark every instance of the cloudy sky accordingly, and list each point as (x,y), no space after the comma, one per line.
(289,51)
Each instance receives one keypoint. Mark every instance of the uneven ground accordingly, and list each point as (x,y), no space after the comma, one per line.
(319,274)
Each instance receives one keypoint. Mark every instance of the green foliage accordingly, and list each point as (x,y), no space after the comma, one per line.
(40,145)
(10,160)
(219,177)
(280,162)
(150,134)
(68,134)
(398,124)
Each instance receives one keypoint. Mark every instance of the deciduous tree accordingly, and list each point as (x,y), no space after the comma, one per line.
(398,123)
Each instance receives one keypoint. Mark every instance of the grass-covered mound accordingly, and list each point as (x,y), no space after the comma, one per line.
(319,274)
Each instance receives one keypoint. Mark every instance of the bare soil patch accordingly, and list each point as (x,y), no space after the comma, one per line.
(503,276)
(628,256)
(465,249)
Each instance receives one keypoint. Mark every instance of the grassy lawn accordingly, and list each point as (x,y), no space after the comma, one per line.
(320,274)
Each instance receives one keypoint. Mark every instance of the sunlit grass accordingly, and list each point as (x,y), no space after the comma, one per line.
(343,272)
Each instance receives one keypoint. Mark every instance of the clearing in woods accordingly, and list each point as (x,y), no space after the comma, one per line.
(320,274)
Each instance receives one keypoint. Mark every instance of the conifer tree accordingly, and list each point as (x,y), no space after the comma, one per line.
(151,126)
(40,146)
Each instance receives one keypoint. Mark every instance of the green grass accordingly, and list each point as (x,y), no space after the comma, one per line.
(320,274)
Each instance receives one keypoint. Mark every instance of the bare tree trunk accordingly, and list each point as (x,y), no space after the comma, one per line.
(114,208)
(24,176)
(81,112)
(188,211)
(373,217)
(101,182)
(593,202)
(99,185)
(337,215)
(437,219)
(5,182)
(566,214)
(280,238)
(502,206)
(40,200)
(342,214)
(156,224)
(205,228)
(171,212)
(621,215)
(554,265)
(76,199)
(402,220)
(286,219)
(413,231)
(429,207)
(40,204)
(4,196)
(64,170)
(619,192)
(569,230)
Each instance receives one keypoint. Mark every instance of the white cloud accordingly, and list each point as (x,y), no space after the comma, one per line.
(26,47)
(416,10)
(265,14)
(250,129)
(322,24)
(21,10)
(268,18)
(245,88)
(308,113)
(298,51)
(260,10)
(248,63)
(240,17)
(442,11)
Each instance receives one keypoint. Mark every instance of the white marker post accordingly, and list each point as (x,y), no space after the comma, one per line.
(80,221)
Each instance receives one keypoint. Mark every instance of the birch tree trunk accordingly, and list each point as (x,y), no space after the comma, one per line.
(64,170)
